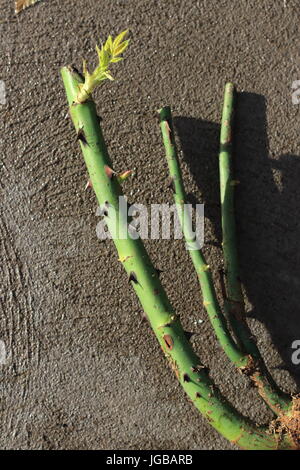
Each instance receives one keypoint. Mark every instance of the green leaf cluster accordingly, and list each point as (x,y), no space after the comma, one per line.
(108,54)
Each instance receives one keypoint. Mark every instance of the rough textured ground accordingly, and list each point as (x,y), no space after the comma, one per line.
(82,372)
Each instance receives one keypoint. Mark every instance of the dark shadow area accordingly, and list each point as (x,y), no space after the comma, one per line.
(267,205)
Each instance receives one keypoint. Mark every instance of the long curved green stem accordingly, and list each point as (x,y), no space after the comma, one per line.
(144,280)
(234,301)
(278,401)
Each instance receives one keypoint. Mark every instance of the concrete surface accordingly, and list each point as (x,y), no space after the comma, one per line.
(81,371)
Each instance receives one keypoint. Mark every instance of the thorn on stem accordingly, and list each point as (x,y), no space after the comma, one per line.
(81,136)
(109,172)
(186,378)
(169,341)
(132,277)
(88,185)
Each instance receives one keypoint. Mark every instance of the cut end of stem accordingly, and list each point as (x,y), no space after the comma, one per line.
(165,113)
